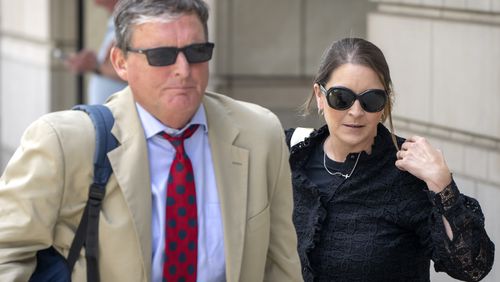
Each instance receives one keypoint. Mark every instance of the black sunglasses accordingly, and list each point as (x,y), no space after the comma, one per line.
(164,56)
(341,98)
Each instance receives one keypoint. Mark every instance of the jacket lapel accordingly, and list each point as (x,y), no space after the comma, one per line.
(131,169)
(231,172)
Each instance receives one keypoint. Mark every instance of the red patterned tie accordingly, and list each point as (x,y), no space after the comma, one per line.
(181,229)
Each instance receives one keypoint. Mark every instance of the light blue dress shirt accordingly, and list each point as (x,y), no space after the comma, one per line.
(211,262)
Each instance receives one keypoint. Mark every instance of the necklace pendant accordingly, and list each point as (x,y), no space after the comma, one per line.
(338,172)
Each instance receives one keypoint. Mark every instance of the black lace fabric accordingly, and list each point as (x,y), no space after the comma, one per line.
(464,215)
(383,224)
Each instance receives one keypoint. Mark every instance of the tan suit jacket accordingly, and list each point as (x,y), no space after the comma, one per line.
(44,189)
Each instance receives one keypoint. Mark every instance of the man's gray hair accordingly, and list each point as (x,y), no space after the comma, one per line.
(129,13)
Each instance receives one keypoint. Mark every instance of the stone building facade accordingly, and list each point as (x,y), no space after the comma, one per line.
(444,57)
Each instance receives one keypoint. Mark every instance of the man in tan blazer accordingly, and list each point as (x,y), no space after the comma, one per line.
(243,189)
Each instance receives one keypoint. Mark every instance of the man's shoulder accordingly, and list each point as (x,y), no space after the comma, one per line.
(71,118)
(236,107)
(253,122)
(68,124)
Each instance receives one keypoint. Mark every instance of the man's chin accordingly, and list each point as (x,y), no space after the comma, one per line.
(182,103)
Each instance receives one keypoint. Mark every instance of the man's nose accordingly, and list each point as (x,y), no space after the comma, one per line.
(181,65)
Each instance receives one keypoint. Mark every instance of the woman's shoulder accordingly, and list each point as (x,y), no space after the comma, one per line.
(296,135)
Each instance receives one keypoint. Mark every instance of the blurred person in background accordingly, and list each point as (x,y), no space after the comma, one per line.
(369,205)
(103,80)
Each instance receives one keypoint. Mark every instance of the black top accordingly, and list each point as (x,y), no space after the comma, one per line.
(381,224)
(315,169)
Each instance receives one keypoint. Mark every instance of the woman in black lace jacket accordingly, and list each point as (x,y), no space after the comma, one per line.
(371,206)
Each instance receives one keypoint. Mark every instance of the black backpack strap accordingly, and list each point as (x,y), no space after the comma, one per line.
(87,232)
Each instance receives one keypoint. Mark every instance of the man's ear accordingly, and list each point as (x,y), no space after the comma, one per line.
(119,62)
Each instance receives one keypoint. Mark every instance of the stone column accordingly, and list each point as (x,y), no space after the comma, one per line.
(32,81)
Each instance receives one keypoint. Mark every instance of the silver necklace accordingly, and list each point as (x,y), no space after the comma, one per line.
(338,172)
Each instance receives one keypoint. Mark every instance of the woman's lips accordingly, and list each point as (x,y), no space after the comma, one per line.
(353,125)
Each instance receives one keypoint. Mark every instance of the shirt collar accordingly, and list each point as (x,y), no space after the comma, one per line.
(152,126)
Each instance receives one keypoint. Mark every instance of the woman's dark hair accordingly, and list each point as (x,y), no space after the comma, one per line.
(355,51)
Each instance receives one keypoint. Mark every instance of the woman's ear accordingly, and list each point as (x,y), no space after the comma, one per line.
(119,62)
(319,97)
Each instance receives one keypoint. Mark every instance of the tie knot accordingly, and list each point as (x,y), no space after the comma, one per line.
(177,141)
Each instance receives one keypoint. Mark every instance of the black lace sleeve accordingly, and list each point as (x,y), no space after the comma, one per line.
(469,255)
